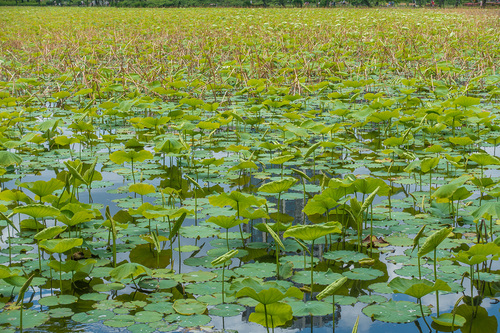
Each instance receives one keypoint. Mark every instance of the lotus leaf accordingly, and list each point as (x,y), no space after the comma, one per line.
(449,320)
(31,318)
(189,321)
(363,274)
(313,232)
(394,311)
(129,270)
(60,245)
(120,321)
(206,288)
(226,310)
(60,313)
(161,307)
(37,211)
(259,270)
(322,278)
(148,316)
(278,186)
(121,156)
(57,300)
(268,292)
(433,241)
(477,319)
(344,256)
(93,316)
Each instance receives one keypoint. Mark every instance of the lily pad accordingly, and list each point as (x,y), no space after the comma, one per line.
(120,321)
(198,231)
(322,278)
(189,321)
(141,328)
(369,299)
(215,299)
(56,300)
(259,270)
(394,311)
(206,288)
(363,274)
(60,312)
(344,256)
(310,308)
(147,316)
(31,318)
(226,310)
(189,307)
(93,316)
(161,307)
(448,320)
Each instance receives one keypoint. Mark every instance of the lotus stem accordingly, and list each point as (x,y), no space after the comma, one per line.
(423,316)
(435,279)
(265,313)
(312,271)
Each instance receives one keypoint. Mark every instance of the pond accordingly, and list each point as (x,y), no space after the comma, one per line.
(180,201)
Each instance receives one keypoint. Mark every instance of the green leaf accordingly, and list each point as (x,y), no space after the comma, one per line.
(8,220)
(484,159)
(310,308)
(189,307)
(147,316)
(313,232)
(486,210)
(319,205)
(345,256)
(60,245)
(31,319)
(257,269)
(141,188)
(225,259)
(225,222)
(43,188)
(122,156)
(433,241)
(332,288)
(266,293)
(477,319)
(7,159)
(429,163)
(278,186)
(449,320)
(226,310)
(467,101)
(448,190)
(50,232)
(417,288)
(129,270)
(93,316)
(236,200)
(37,211)
(394,311)
(281,159)
(277,314)
(274,235)
(321,278)
(363,274)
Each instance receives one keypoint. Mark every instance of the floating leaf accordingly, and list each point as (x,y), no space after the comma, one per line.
(310,308)
(277,314)
(394,311)
(189,307)
(226,310)
(449,320)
